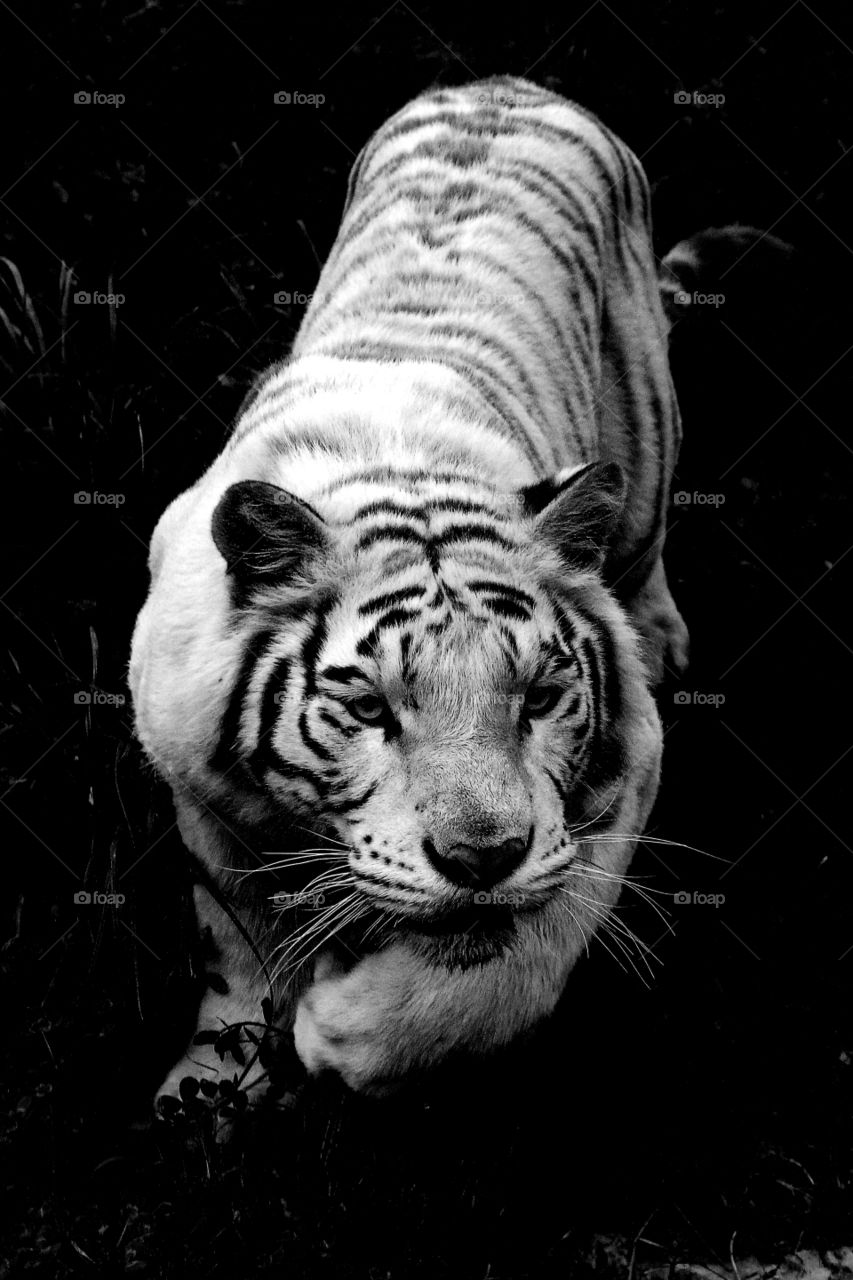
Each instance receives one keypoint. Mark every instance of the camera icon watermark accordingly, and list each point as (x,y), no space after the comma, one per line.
(696,698)
(83,898)
(683,98)
(681,498)
(282,98)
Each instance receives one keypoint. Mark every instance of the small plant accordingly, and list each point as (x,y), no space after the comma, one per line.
(247,1043)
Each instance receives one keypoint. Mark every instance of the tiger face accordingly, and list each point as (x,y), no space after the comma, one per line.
(448,700)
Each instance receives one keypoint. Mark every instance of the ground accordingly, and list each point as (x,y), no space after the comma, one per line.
(704,1118)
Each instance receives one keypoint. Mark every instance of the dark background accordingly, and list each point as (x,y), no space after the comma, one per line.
(644,1124)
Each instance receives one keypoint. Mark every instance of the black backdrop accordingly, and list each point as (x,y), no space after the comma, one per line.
(717,1100)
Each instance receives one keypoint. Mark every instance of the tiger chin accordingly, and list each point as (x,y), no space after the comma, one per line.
(398,654)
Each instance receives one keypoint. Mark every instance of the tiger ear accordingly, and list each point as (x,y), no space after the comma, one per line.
(264,533)
(577,515)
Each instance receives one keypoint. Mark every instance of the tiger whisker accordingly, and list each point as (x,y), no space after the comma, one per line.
(354,911)
(290,957)
(608,919)
(619,936)
(608,838)
(591,873)
(597,818)
(321,836)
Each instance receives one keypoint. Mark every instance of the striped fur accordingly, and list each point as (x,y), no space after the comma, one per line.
(415,507)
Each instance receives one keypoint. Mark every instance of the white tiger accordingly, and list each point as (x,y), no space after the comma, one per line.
(402,633)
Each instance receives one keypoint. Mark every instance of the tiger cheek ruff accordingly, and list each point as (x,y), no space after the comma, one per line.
(401,635)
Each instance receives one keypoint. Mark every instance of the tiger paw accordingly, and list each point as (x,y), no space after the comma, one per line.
(345,1024)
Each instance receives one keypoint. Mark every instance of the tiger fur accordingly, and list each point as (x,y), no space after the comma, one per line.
(410,619)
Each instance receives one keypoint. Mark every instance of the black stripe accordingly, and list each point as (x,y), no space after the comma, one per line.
(565,625)
(227,750)
(511,641)
(405,647)
(571,708)
(507,609)
(393,618)
(313,643)
(390,532)
(471,532)
(265,754)
(390,507)
(346,806)
(560,786)
(342,675)
(390,598)
(348,730)
(501,588)
(308,739)
(465,506)
(291,772)
(605,642)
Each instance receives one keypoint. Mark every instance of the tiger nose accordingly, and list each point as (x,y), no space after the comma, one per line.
(476,867)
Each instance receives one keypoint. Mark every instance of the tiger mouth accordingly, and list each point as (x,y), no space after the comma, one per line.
(464,937)
(472,920)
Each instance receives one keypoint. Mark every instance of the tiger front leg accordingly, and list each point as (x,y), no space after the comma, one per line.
(400,1012)
(237,980)
(234,997)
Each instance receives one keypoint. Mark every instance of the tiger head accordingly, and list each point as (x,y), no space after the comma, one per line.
(437,678)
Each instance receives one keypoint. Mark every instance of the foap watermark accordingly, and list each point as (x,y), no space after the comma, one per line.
(98,698)
(284,698)
(94,498)
(681,498)
(83,298)
(497,97)
(286,98)
(312,901)
(693,898)
(495,300)
(85,98)
(292,298)
(83,898)
(684,98)
(511,899)
(696,299)
(696,698)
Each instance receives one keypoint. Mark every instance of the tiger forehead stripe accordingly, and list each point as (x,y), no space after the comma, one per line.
(393,618)
(389,598)
(501,588)
(342,675)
